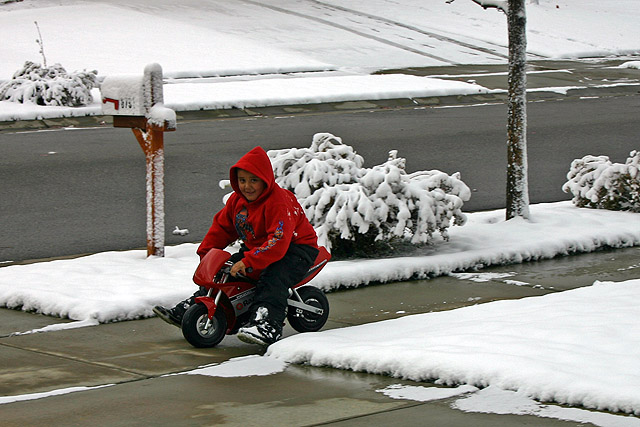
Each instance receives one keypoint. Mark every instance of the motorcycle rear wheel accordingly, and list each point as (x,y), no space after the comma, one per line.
(194,322)
(304,321)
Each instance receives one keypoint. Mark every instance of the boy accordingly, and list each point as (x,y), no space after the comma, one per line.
(277,239)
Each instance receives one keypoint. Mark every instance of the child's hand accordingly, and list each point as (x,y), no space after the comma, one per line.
(238,267)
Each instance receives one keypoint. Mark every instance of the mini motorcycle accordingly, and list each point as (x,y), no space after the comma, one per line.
(225,308)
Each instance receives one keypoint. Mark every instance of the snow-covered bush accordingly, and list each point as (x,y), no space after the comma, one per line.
(361,211)
(49,86)
(595,182)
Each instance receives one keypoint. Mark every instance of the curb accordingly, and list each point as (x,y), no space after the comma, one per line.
(498,96)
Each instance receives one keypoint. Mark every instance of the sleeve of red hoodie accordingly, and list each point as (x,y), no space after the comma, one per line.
(279,226)
(221,233)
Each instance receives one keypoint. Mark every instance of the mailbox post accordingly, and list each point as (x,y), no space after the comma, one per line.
(136,102)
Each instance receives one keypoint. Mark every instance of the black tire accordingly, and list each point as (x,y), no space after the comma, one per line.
(193,324)
(304,321)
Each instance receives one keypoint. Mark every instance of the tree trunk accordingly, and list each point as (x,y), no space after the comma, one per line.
(517,185)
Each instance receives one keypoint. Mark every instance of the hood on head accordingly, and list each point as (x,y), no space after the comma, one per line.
(256,162)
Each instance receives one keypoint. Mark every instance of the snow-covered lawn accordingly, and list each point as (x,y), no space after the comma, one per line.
(328,53)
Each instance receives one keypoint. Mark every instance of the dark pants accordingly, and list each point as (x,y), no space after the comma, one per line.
(275,280)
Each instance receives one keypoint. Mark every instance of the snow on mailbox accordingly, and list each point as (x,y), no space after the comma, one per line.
(132,95)
(136,102)
(124,95)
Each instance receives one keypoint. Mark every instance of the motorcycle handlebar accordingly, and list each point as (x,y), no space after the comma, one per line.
(227,269)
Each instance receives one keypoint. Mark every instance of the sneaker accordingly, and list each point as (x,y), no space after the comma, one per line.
(168,315)
(260,329)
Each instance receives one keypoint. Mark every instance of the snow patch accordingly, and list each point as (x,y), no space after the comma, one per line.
(425,394)
(35,396)
(578,347)
(494,400)
(247,366)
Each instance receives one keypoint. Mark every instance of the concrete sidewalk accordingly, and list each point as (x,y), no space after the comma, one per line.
(132,361)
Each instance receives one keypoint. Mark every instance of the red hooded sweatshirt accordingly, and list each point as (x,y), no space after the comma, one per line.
(267,225)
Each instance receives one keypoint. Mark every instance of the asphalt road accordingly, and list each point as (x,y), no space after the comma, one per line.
(67,192)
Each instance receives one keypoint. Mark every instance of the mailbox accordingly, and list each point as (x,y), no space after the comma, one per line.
(124,96)
(136,102)
(132,95)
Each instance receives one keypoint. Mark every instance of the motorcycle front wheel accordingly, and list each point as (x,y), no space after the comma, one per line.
(195,330)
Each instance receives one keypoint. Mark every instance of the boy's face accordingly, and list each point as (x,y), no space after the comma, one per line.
(250,185)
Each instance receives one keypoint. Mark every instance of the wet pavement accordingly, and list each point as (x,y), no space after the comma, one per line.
(133,359)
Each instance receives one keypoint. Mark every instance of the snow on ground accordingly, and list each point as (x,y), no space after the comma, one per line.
(246,366)
(191,96)
(310,90)
(200,38)
(579,347)
(114,286)
(495,400)
(329,48)
(59,392)
(468,398)
(486,239)
(498,401)
(117,40)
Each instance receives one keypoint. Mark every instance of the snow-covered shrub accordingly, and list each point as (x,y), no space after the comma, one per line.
(595,182)
(360,211)
(49,86)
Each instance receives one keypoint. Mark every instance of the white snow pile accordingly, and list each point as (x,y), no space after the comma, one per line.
(579,347)
(59,392)
(181,96)
(345,201)
(494,400)
(161,116)
(596,182)
(295,90)
(114,286)
(487,239)
(246,366)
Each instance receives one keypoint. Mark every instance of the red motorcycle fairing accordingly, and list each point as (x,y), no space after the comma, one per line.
(209,266)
